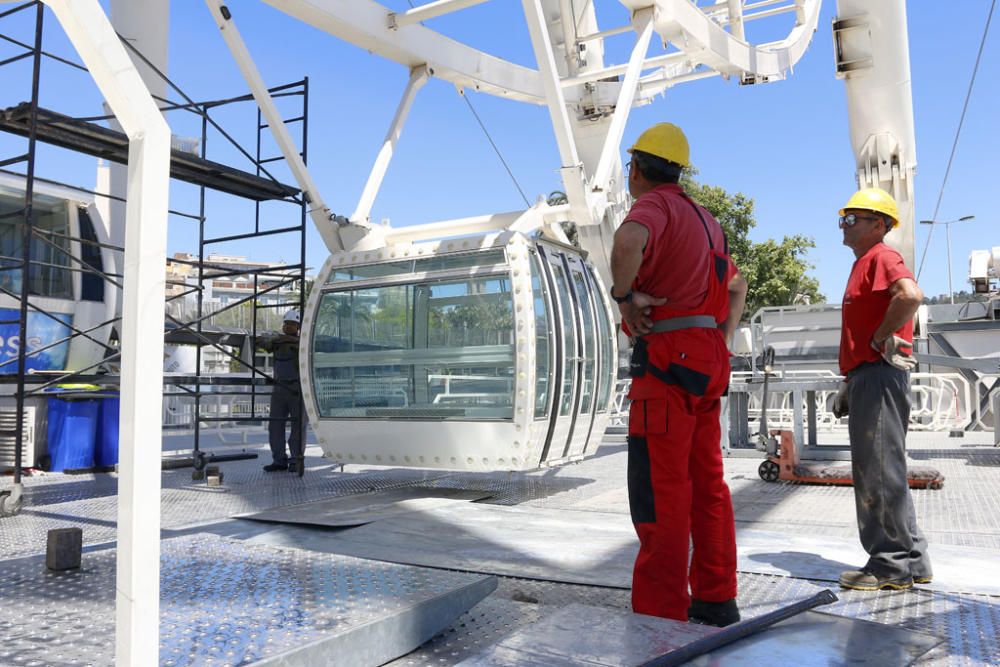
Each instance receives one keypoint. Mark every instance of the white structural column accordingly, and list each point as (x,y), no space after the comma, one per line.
(138,578)
(318,210)
(572,169)
(146,25)
(418,77)
(626,95)
(873,58)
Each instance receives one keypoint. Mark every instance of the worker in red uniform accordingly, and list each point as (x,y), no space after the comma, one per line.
(876,342)
(680,298)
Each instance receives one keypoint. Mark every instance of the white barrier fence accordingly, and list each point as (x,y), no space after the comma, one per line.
(940,402)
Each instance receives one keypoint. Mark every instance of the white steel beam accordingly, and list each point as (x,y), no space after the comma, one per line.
(610,155)
(429,11)
(137,602)
(604,34)
(518,221)
(686,26)
(365,24)
(770,12)
(418,77)
(617,70)
(321,215)
(574,179)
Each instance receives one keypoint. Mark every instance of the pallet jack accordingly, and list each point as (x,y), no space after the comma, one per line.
(783,461)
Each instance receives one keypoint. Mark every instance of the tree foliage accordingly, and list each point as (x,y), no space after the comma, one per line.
(776,271)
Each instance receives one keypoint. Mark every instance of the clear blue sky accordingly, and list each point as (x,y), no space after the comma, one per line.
(784,144)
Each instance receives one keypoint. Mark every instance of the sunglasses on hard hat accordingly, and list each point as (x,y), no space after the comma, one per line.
(852,219)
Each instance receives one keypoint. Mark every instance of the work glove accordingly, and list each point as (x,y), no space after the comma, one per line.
(841,408)
(897,352)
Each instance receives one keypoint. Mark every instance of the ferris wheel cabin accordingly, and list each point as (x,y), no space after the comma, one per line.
(488,353)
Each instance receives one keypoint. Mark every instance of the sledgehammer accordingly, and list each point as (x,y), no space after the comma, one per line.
(737,631)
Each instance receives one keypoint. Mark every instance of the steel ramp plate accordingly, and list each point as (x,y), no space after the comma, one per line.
(591,548)
(224,602)
(584,635)
(360,509)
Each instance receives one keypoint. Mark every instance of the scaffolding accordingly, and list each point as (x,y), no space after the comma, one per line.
(271,288)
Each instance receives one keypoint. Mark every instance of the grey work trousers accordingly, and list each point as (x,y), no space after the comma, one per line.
(879,399)
(286,405)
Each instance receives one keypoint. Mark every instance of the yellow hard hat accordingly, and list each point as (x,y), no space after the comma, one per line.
(664,140)
(874,199)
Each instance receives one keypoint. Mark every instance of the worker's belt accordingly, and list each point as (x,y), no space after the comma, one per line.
(689,322)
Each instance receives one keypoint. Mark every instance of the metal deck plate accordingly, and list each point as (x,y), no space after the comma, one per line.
(224,602)
(956,569)
(365,508)
(579,634)
(568,546)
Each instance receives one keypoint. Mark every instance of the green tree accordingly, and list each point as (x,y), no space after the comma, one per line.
(775,270)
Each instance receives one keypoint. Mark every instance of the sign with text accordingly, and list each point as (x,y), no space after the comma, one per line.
(43,330)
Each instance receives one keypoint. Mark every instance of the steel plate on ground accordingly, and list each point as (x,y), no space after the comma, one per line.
(535,543)
(956,569)
(358,510)
(584,635)
(227,602)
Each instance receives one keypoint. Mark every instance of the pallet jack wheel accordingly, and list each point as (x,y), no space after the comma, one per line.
(769,471)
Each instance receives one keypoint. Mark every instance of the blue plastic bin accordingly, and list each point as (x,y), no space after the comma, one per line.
(72,432)
(106,452)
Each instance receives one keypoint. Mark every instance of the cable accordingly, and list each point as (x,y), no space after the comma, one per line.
(490,139)
(954,145)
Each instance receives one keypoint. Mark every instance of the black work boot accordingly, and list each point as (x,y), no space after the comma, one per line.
(719,614)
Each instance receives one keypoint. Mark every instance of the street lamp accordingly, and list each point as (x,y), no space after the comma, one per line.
(947,233)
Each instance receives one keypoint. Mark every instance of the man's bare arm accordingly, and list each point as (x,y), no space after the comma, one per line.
(626,255)
(906,299)
(737,301)
(626,258)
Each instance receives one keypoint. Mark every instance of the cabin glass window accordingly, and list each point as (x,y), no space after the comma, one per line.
(608,365)
(431,349)
(588,379)
(543,345)
(49,247)
(91,278)
(451,262)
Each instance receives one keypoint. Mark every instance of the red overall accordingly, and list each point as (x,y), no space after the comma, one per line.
(677,493)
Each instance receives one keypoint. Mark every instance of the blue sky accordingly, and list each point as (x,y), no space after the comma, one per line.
(784,144)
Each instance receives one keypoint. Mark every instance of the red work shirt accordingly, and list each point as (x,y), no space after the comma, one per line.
(676,261)
(866,300)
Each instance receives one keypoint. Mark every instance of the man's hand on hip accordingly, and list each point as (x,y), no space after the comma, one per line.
(635,312)
(897,352)
(841,406)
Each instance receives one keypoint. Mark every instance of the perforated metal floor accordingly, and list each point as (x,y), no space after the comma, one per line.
(223,603)
(965,513)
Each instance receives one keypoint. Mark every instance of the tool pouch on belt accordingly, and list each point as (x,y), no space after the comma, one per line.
(677,372)
(639,361)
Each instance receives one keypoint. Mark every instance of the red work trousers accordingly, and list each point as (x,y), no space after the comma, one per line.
(678,496)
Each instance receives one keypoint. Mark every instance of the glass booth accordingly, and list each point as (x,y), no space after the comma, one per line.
(492,353)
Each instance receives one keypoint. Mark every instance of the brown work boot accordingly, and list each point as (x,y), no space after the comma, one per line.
(719,614)
(862,580)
